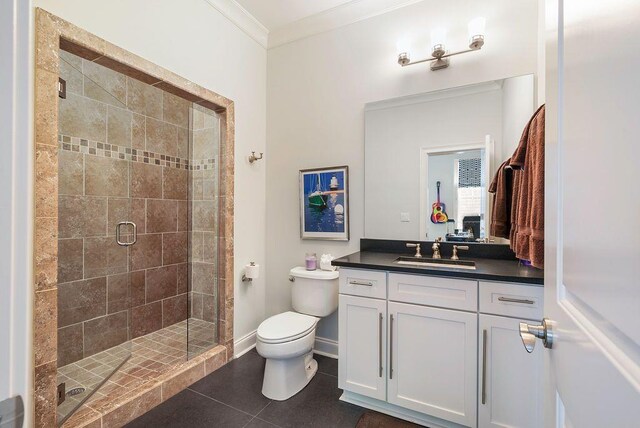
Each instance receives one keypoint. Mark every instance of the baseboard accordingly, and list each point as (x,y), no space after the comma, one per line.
(322,346)
(245,344)
(326,347)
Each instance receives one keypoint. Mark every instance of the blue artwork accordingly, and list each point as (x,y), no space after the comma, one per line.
(324,203)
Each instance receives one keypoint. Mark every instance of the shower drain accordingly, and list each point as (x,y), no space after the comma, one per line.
(75,391)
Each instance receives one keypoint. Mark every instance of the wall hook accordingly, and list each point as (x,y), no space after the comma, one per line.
(254,158)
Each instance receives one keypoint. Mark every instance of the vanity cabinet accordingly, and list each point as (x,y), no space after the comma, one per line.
(362,350)
(439,351)
(510,379)
(432,361)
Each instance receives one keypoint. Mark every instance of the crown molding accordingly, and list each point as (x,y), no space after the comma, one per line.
(476,88)
(239,16)
(339,16)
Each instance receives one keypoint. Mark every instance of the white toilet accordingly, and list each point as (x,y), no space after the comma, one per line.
(286,340)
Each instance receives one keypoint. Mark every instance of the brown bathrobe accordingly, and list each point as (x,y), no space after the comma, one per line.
(527,211)
(502,188)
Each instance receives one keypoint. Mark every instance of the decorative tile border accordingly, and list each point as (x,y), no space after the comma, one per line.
(96,148)
(52,34)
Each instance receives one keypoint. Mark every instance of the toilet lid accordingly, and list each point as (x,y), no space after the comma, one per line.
(286,327)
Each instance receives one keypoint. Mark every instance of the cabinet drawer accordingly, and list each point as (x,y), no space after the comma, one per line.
(434,291)
(366,283)
(512,300)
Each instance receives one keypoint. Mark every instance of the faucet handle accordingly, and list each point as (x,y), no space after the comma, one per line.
(454,256)
(417,247)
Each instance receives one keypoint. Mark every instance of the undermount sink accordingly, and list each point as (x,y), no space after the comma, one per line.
(443,263)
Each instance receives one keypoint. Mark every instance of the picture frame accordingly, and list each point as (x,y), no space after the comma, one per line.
(324,203)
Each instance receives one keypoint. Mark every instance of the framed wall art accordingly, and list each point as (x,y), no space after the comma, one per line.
(324,203)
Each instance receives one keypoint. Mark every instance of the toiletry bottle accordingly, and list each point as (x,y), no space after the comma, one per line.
(311,261)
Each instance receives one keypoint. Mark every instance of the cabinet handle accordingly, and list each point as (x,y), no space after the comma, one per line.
(390,346)
(380,345)
(509,299)
(484,366)
(367,283)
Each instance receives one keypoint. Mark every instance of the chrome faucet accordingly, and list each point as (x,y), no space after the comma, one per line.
(436,250)
(417,247)
(455,251)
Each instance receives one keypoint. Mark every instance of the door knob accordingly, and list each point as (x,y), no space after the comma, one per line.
(529,333)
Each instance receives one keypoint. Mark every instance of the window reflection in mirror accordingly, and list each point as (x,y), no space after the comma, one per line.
(459,213)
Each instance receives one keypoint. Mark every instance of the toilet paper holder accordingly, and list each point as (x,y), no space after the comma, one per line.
(245,278)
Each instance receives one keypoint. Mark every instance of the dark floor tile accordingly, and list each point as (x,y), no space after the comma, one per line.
(189,409)
(259,423)
(327,365)
(317,405)
(372,419)
(238,384)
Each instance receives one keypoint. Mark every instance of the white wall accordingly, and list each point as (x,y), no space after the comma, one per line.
(518,98)
(317,88)
(192,39)
(16,213)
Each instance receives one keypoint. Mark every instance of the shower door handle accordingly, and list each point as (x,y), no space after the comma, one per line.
(118,234)
(135,233)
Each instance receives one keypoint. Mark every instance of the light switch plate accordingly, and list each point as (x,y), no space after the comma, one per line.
(405,217)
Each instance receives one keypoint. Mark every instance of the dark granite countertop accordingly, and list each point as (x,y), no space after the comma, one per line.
(486,269)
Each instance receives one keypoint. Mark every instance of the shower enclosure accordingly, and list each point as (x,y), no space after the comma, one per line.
(138,186)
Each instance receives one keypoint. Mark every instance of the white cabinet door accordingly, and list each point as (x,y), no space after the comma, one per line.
(433,361)
(510,386)
(362,344)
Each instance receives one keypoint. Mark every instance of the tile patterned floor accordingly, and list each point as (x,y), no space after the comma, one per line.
(231,397)
(151,356)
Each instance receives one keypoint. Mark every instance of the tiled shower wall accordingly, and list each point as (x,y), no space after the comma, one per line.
(124,155)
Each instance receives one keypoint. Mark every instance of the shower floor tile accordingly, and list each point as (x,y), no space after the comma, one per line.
(151,357)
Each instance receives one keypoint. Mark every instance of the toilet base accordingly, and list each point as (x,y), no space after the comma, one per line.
(284,378)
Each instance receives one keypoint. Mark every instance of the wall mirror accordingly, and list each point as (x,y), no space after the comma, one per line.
(452,139)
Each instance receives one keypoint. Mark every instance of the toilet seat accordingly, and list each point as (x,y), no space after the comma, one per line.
(286,327)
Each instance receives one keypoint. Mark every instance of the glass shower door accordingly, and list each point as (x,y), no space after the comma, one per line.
(96,229)
(202,328)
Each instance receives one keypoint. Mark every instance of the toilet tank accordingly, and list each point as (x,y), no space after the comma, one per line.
(314,292)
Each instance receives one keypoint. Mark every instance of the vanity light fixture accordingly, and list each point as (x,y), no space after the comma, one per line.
(439,56)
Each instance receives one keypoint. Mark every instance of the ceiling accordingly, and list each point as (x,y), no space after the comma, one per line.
(274,14)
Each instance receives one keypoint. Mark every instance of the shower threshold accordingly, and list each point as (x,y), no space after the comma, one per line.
(152,359)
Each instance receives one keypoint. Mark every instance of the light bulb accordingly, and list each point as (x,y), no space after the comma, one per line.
(476,27)
(476,33)
(403,45)
(438,37)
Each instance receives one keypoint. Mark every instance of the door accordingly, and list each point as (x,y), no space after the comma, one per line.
(488,171)
(592,293)
(510,379)
(362,343)
(432,361)
(97,229)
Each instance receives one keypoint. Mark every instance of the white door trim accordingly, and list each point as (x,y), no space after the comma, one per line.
(424,195)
